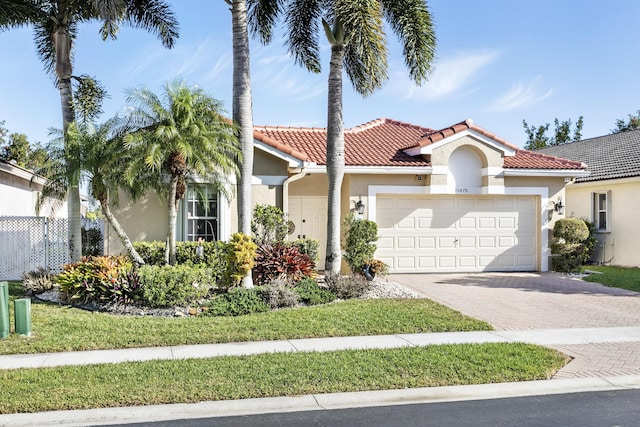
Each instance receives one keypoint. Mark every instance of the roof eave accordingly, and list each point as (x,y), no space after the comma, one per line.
(428,149)
(567,173)
(377,170)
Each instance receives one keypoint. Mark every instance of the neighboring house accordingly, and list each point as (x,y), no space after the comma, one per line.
(458,199)
(19,192)
(610,195)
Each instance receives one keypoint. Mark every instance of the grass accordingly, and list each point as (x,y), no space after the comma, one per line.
(58,328)
(617,277)
(267,375)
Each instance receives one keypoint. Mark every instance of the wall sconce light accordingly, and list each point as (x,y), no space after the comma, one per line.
(558,206)
(360,206)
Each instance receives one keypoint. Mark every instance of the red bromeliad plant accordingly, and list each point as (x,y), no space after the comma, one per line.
(276,260)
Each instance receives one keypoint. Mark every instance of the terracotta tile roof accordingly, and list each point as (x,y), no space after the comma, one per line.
(608,157)
(376,143)
(382,142)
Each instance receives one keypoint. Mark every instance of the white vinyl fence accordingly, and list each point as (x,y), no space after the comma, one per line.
(27,243)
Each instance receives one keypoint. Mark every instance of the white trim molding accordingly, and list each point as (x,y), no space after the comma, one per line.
(428,149)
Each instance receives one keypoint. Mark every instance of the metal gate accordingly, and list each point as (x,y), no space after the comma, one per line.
(27,243)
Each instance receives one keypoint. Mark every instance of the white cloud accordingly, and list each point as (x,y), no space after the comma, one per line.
(520,95)
(450,78)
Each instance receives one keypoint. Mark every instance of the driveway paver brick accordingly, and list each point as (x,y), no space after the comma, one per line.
(521,301)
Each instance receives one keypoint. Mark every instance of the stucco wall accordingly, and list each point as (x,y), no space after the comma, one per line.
(490,156)
(19,198)
(620,244)
(146,220)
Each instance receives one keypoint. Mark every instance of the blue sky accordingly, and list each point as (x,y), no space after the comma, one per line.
(498,62)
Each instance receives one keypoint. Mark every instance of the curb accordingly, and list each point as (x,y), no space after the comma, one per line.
(315,402)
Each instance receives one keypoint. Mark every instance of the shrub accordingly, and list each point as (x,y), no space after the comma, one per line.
(240,255)
(213,254)
(377,267)
(273,261)
(591,241)
(347,287)
(269,225)
(237,302)
(278,294)
(311,294)
(359,245)
(309,247)
(37,281)
(99,280)
(179,285)
(569,235)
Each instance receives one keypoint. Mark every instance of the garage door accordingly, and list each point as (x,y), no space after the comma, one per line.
(457,233)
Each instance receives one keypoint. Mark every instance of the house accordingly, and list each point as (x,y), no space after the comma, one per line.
(459,199)
(20,190)
(610,196)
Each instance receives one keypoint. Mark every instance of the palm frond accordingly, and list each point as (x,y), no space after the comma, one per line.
(262,16)
(303,21)
(411,22)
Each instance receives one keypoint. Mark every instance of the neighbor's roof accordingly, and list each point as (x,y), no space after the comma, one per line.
(382,142)
(608,157)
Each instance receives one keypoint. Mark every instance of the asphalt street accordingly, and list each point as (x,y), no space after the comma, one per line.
(619,408)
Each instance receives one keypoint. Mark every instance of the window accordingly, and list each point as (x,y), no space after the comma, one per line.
(202,215)
(601,209)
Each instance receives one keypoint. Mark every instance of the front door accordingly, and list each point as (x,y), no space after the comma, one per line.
(309,217)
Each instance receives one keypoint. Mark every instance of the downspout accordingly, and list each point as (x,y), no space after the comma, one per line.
(285,187)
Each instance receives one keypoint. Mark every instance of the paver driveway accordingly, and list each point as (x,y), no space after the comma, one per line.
(517,301)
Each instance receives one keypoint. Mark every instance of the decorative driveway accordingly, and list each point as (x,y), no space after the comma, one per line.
(522,301)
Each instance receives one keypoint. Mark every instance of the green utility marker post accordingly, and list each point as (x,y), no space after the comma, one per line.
(22,315)
(4,310)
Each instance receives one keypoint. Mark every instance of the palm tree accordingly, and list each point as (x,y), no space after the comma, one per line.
(55,24)
(181,138)
(358,43)
(102,162)
(243,116)
(260,16)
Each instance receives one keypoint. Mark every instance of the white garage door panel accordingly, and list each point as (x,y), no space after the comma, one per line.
(457,233)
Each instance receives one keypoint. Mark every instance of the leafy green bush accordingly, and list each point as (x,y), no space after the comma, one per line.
(179,285)
(213,253)
(309,247)
(359,245)
(590,242)
(37,281)
(237,302)
(311,294)
(269,225)
(273,261)
(567,246)
(240,254)
(100,280)
(347,287)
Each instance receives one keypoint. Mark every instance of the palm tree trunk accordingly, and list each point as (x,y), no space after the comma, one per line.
(170,249)
(335,158)
(124,239)
(243,117)
(62,43)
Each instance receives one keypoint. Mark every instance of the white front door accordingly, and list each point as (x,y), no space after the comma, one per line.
(309,216)
(456,233)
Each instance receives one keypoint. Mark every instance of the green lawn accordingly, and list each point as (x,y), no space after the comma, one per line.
(60,328)
(278,374)
(617,277)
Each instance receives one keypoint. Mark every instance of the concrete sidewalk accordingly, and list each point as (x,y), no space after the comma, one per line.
(546,337)
(105,416)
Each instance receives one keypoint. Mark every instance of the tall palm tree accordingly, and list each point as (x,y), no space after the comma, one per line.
(260,16)
(181,138)
(55,24)
(102,162)
(243,116)
(359,45)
